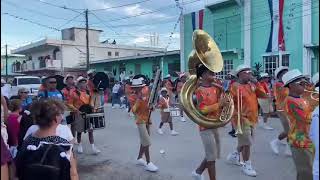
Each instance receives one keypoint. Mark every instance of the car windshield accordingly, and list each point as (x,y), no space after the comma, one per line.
(22,81)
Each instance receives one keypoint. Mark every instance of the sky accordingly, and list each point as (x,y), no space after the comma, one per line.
(125,24)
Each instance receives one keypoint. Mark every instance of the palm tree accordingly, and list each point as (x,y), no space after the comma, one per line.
(257,70)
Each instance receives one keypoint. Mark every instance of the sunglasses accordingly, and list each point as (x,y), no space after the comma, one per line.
(302,82)
(53,82)
(24,92)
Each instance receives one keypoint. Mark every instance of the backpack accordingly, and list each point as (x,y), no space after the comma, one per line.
(47,162)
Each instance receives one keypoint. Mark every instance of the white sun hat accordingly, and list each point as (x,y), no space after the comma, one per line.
(65,78)
(80,78)
(264,75)
(163,89)
(241,68)
(291,75)
(280,69)
(168,76)
(137,83)
(91,71)
(315,78)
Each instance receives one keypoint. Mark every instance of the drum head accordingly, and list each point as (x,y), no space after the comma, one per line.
(60,84)
(101,80)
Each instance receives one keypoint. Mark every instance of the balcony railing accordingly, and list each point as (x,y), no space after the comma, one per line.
(35,65)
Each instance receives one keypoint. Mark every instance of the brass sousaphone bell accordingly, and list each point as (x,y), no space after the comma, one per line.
(206,52)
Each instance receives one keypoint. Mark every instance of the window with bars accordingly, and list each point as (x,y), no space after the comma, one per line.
(227,67)
(271,63)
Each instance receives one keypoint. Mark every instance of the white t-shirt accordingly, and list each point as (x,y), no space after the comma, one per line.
(62,131)
(116,88)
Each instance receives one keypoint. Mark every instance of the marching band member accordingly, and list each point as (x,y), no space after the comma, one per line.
(182,80)
(230,79)
(90,75)
(81,97)
(266,101)
(299,114)
(245,94)
(314,135)
(168,84)
(208,104)
(280,94)
(141,111)
(164,105)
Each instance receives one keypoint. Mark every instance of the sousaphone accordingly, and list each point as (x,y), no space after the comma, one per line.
(206,52)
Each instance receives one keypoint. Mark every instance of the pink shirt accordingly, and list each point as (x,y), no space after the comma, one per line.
(13,129)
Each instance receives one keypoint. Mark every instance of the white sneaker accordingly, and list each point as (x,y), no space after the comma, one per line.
(113,107)
(183,119)
(266,127)
(275,146)
(131,114)
(151,167)
(80,149)
(141,162)
(197,176)
(174,133)
(95,150)
(234,158)
(248,169)
(288,151)
(160,131)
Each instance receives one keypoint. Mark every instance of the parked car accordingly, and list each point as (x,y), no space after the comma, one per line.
(32,83)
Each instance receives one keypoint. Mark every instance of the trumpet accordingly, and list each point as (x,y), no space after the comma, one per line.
(314,95)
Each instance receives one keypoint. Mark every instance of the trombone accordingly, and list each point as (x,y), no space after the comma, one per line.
(314,95)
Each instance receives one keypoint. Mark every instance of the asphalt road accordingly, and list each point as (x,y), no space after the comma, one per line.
(119,143)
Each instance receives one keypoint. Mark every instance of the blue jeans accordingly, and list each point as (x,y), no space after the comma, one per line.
(116,99)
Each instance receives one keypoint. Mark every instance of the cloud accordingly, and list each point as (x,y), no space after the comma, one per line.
(97,4)
(137,9)
(140,40)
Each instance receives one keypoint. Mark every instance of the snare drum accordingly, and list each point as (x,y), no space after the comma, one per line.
(95,121)
(175,112)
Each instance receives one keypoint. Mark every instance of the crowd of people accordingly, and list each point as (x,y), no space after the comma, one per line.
(44,130)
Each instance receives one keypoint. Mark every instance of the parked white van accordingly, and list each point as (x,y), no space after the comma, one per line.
(32,83)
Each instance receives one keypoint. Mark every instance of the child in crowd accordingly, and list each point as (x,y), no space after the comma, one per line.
(14,119)
(164,104)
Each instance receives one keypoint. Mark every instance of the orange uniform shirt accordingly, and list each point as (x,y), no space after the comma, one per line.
(208,102)
(265,90)
(140,107)
(163,103)
(299,114)
(280,94)
(247,95)
(78,101)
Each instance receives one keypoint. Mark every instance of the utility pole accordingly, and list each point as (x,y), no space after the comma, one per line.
(6,62)
(87,40)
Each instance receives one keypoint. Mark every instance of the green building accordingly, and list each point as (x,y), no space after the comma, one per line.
(168,62)
(13,60)
(242,29)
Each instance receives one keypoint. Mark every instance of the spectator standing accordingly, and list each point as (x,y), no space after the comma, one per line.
(14,125)
(115,94)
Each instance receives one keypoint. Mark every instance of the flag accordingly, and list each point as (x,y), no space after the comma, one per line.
(276,38)
(197,19)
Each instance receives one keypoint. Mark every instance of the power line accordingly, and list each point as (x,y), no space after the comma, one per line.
(58,6)
(150,12)
(30,21)
(33,11)
(69,21)
(123,5)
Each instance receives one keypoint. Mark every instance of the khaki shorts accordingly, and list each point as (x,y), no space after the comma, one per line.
(245,139)
(144,136)
(211,143)
(303,161)
(284,121)
(266,105)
